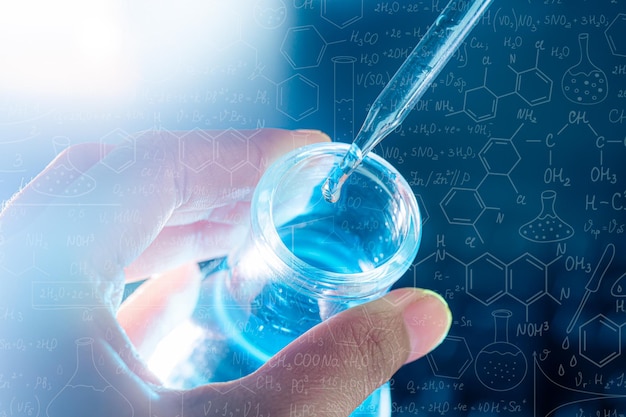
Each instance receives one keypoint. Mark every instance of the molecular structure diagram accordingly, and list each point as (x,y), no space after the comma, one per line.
(465,206)
(531,85)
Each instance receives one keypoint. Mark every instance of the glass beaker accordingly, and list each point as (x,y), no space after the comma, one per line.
(305,259)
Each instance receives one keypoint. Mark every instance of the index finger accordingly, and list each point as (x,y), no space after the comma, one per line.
(135,190)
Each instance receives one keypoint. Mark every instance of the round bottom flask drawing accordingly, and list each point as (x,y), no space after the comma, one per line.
(584,83)
(501,366)
(87,390)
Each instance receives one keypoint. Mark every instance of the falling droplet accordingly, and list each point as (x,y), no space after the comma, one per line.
(561,370)
(573,362)
(565,344)
(109,334)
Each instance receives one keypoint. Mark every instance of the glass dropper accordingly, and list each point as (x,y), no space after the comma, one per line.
(407,86)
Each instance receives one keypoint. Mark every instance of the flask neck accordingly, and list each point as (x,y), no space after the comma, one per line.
(548,199)
(306,258)
(86,370)
(583,43)
(501,324)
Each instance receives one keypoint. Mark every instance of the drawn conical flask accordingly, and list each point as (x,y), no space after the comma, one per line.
(584,83)
(87,390)
(501,365)
(547,226)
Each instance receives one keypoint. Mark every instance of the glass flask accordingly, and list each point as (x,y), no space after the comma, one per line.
(304,260)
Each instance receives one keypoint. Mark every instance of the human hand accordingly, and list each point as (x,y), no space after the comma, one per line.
(92,221)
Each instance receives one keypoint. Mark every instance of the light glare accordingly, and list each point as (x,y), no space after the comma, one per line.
(65,46)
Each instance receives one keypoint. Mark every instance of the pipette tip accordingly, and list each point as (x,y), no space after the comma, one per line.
(331,190)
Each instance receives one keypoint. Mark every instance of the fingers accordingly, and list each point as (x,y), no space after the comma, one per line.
(338,363)
(179,176)
(158,306)
(107,207)
(239,159)
(180,244)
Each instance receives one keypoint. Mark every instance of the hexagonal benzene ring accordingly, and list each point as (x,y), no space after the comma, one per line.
(533,86)
(297,97)
(125,146)
(451,358)
(600,340)
(615,35)
(480,104)
(486,279)
(342,14)
(499,156)
(526,279)
(462,206)
(188,154)
(303,47)
(228,149)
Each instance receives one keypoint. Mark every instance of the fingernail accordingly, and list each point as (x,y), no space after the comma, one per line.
(427,321)
(308,131)
(314,132)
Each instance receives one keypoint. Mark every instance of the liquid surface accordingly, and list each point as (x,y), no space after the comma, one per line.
(324,244)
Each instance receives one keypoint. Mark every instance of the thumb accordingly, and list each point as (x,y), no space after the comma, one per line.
(338,363)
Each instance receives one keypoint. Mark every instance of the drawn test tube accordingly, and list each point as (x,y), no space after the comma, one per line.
(343,98)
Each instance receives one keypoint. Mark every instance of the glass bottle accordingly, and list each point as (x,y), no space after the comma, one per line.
(305,259)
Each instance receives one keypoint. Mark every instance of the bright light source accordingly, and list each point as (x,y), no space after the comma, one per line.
(173,349)
(97,48)
(74,47)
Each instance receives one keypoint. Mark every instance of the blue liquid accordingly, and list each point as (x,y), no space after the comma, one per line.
(252,334)
(280,312)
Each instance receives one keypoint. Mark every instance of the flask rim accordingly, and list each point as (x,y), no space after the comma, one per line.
(371,282)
